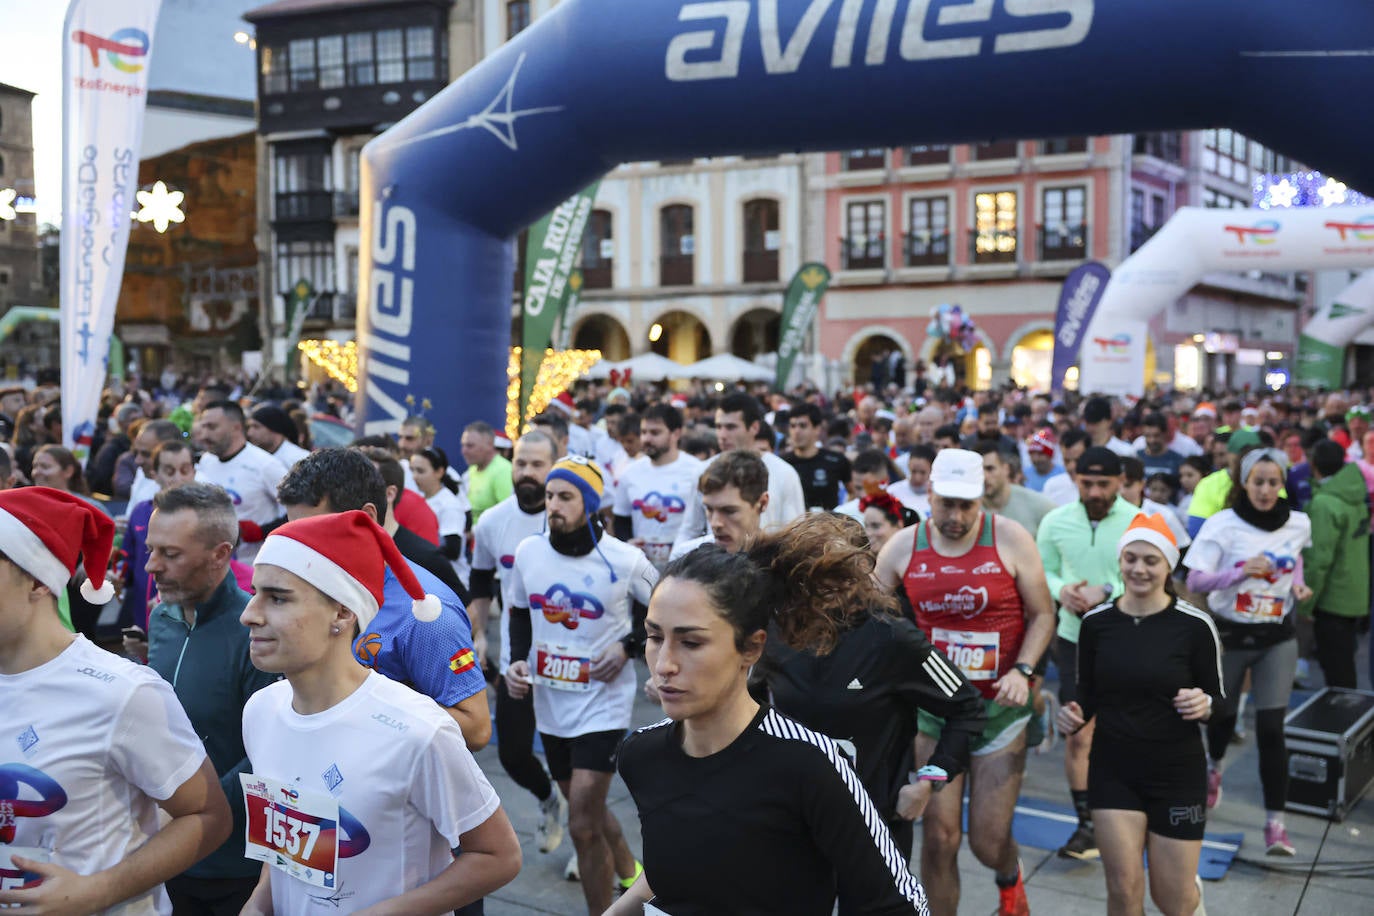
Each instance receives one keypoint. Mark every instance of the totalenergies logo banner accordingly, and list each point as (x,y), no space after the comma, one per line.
(106,50)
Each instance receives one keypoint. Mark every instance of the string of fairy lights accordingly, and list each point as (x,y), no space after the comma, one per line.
(558,370)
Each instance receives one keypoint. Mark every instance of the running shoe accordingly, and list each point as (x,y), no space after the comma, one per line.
(1276,840)
(624,884)
(1082,845)
(549,832)
(570,871)
(1213,787)
(1201,907)
(1011,901)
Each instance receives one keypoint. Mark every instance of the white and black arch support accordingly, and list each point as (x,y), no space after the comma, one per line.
(1321,348)
(600,82)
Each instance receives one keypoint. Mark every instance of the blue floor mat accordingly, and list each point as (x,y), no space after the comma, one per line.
(1046,825)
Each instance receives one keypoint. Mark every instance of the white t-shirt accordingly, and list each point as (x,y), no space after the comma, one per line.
(405,783)
(251,478)
(1180,444)
(143,489)
(655,499)
(1121,447)
(902,492)
(682,548)
(451,511)
(288,453)
(1061,490)
(1226,542)
(786,501)
(495,536)
(1176,525)
(93,741)
(576,613)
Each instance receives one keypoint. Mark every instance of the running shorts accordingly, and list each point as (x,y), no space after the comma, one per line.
(1005,723)
(594,751)
(1168,786)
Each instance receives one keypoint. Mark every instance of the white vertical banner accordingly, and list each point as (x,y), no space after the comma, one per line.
(106,48)
(1113,363)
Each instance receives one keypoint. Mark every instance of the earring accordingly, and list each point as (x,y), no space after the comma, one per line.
(334,630)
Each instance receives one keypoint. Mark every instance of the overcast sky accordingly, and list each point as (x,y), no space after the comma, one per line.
(200,56)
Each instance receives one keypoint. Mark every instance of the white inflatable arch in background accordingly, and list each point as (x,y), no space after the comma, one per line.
(1321,349)
(1197,241)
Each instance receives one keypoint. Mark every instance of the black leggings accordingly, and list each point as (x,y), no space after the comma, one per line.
(1273,752)
(515,742)
(1337,638)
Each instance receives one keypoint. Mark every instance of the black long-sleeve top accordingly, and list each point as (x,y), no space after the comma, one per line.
(1130,669)
(865,694)
(770,824)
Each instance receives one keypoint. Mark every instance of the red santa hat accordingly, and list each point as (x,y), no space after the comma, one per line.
(564,402)
(345,555)
(43,530)
(1042,443)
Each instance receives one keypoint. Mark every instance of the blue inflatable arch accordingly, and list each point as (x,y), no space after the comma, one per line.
(600,82)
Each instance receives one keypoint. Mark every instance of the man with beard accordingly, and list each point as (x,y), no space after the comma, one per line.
(1078,543)
(591,592)
(652,496)
(248,474)
(989,428)
(196,643)
(498,533)
(975,586)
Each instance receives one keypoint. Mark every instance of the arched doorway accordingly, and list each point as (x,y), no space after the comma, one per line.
(755,332)
(681,337)
(1032,359)
(604,333)
(972,368)
(872,361)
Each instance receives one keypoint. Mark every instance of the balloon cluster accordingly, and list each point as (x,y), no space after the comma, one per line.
(949,323)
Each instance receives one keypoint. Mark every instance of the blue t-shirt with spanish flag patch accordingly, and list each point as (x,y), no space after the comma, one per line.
(434,657)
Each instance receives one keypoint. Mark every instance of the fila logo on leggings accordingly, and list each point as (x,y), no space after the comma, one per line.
(1192,814)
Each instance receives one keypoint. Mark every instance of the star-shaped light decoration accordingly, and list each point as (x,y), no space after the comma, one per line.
(1333,193)
(160,206)
(1283,194)
(7,211)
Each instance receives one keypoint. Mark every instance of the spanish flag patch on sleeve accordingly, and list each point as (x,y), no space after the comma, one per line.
(464,660)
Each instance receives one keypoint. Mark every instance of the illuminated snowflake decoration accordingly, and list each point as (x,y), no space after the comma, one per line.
(1283,194)
(160,206)
(1333,193)
(7,211)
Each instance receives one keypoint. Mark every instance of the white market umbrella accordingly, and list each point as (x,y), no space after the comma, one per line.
(727,367)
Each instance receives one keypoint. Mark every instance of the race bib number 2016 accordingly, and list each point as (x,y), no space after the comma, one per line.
(293,830)
(562,670)
(975,654)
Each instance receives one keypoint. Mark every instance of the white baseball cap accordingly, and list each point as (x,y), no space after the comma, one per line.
(957,473)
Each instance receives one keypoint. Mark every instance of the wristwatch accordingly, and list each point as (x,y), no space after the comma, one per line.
(1025,669)
(936,776)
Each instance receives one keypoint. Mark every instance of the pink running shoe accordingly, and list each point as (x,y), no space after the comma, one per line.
(1213,788)
(1276,840)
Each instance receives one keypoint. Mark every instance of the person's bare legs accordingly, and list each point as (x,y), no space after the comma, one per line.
(621,857)
(941,834)
(994,786)
(1076,748)
(1173,870)
(1121,840)
(587,815)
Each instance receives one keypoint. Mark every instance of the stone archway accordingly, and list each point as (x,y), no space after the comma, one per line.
(604,333)
(755,332)
(681,336)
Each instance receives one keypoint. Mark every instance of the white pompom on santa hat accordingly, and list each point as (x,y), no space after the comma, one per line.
(346,556)
(43,531)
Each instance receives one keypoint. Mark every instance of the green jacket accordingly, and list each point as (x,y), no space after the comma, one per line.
(1074,549)
(207,665)
(1336,566)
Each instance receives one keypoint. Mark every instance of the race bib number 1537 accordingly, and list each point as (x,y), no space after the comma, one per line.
(291,829)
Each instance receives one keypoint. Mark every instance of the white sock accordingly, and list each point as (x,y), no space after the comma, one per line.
(1273,817)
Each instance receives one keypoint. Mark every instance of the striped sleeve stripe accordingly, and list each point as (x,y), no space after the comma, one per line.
(1206,618)
(940,674)
(659,724)
(782,727)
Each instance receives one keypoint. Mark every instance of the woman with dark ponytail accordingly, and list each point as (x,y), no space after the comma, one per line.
(742,809)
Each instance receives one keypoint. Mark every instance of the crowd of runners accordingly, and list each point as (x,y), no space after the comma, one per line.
(248,674)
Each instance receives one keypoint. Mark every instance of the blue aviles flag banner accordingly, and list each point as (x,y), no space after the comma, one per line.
(1078,301)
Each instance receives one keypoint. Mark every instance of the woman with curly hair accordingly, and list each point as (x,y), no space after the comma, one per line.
(743,809)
